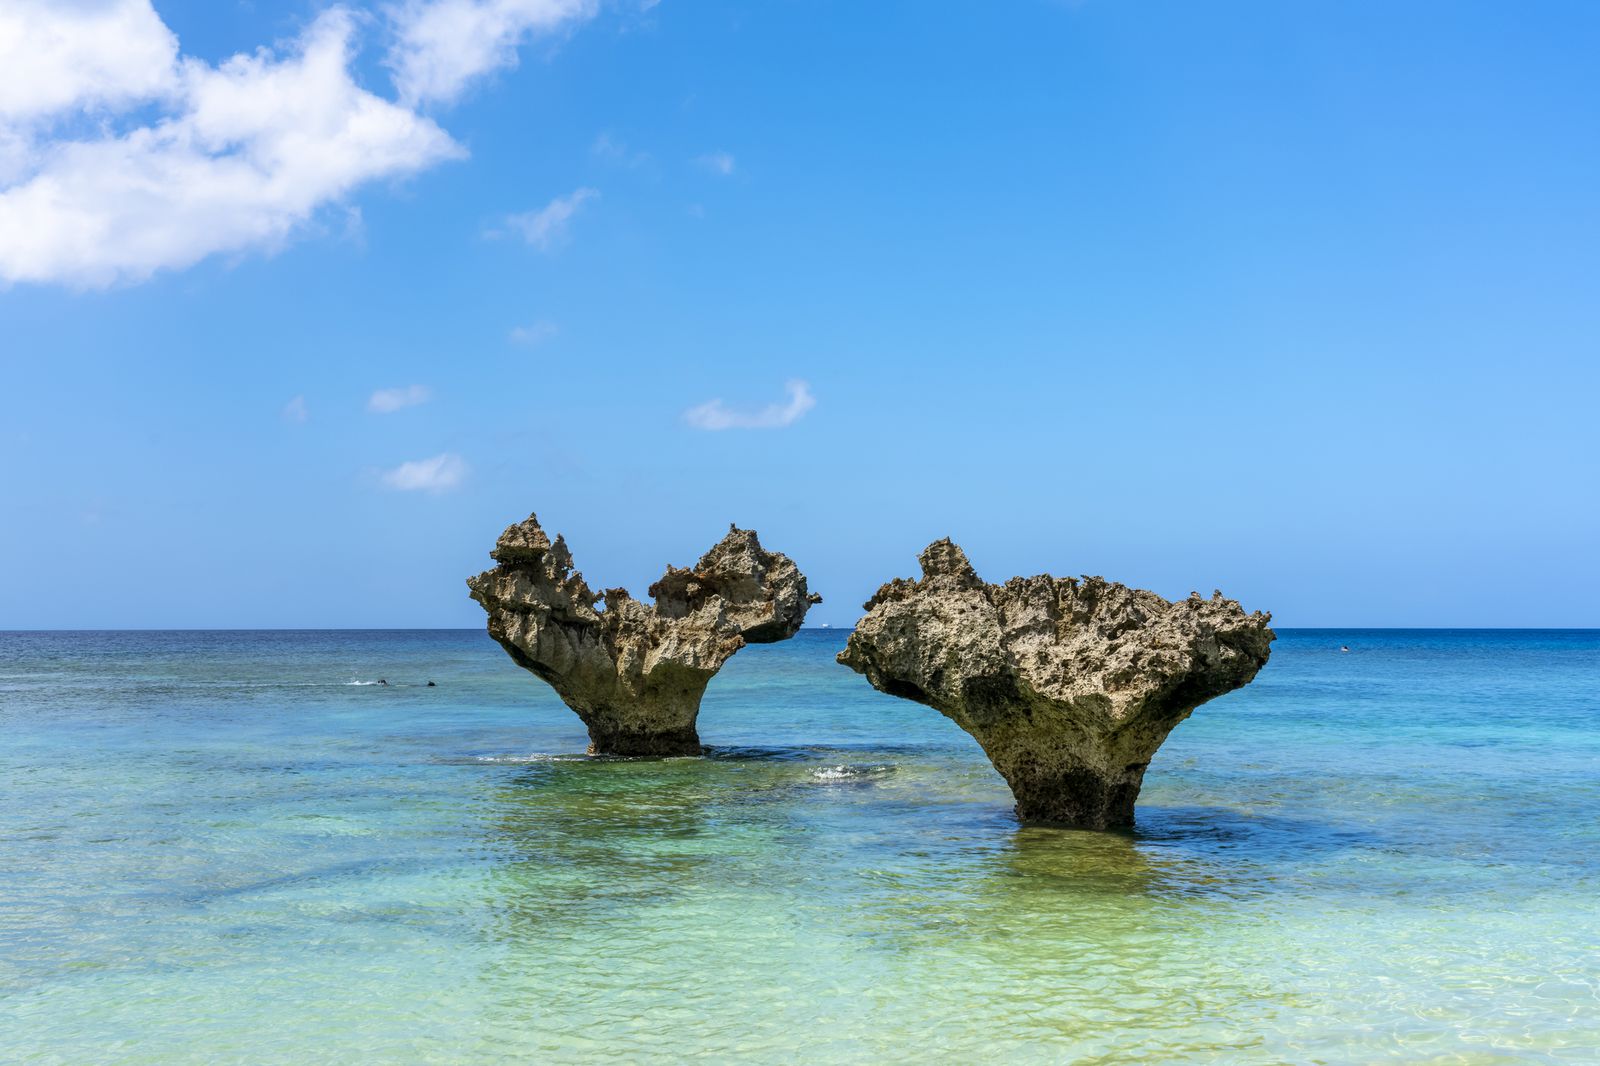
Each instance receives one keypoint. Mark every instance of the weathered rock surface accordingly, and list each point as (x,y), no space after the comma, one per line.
(635,672)
(1070,686)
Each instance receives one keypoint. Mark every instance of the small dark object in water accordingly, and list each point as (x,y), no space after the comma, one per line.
(431,684)
(382,681)
(1344,647)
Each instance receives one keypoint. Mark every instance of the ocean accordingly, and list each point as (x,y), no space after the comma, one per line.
(234,847)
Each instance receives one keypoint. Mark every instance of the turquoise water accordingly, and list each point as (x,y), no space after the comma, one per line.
(219,847)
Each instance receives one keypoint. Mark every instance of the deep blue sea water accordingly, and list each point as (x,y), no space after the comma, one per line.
(227,848)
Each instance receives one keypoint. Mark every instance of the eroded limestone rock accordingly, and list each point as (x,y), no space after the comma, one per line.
(1069,685)
(635,672)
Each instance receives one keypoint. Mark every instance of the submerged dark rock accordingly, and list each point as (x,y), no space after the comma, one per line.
(1069,685)
(634,672)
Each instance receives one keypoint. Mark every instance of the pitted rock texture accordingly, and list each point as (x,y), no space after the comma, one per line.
(635,672)
(1069,685)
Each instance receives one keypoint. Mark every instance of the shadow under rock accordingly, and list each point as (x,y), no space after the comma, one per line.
(1223,831)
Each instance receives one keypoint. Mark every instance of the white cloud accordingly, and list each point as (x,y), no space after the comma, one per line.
(533,333)
(55,56)
(440,46)
(438,474)
(121,157)
(247,154)
(387,401)
(714,414)
(717,162)
(547,227)
(295,410)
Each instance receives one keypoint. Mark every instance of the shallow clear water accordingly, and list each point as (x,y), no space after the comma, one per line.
(215,847)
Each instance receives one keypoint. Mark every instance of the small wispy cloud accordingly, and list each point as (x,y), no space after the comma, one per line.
(714,414)
(295,410)
(442,46)
(533,333)
(616,151)
(546,228)
(721,163)
(438,474)
(388,401)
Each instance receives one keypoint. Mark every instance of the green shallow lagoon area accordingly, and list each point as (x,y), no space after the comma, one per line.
(224,847)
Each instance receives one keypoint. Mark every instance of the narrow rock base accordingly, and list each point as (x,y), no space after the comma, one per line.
(1079,799)
(665,744)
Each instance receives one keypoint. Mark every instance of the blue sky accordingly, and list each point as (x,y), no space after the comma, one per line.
(1294,300)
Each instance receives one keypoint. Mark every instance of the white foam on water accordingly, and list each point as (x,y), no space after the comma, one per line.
(850,773)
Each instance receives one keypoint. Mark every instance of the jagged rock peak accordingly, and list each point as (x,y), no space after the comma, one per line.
(944,560)
(1069,685)
(524,542)
(634,672)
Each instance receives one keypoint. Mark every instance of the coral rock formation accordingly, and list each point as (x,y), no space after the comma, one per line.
(635,672)
(1070,686)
